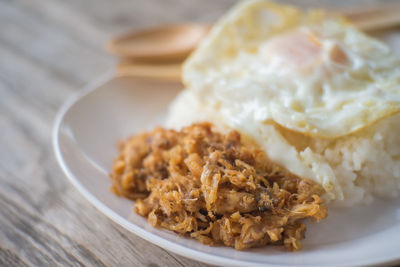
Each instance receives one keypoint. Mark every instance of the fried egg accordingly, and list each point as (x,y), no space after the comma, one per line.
(305,70)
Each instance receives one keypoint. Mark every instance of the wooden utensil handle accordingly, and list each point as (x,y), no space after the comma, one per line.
(171,72)
(378,20)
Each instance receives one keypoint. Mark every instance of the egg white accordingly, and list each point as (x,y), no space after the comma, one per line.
(307,71)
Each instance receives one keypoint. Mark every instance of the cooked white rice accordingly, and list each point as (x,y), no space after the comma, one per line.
(352,169)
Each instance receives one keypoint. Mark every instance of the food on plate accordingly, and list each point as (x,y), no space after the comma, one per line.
(211,187)
(284,110)
(305,83)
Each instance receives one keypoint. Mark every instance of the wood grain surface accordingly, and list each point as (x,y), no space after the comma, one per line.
(50,49)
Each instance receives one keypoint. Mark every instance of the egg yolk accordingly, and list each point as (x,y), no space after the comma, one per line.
(302,51)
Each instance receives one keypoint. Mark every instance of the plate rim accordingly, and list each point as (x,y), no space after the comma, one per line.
(133,228)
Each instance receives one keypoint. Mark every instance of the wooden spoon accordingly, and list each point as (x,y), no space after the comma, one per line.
(150,49)
(166,43)
(175,42)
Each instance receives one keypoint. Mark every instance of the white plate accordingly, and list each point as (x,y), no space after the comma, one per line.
(85,136)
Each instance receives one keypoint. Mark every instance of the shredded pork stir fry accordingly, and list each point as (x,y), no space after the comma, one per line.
(209,186)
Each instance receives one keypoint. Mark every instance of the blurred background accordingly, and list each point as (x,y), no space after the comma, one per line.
(50,49)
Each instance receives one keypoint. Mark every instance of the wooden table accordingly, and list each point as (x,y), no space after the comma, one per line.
(50,49)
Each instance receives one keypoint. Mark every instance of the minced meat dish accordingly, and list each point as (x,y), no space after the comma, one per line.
(211,187)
